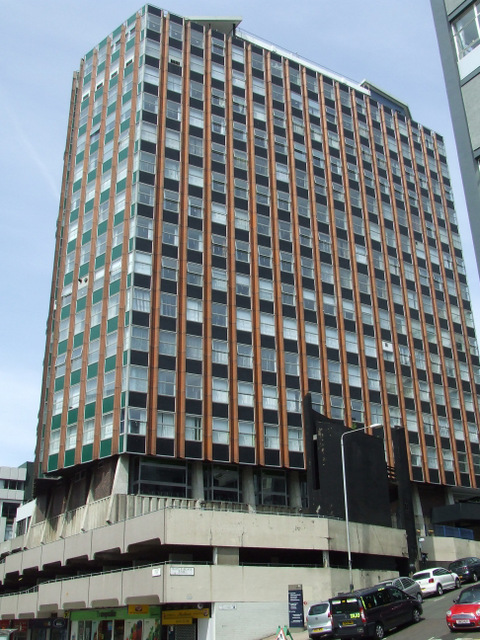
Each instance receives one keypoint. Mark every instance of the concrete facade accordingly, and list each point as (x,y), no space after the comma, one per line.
(461,67)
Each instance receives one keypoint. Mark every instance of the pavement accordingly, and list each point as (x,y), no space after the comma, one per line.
(295,632)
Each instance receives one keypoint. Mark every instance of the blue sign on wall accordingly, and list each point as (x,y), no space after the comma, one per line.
(295,606)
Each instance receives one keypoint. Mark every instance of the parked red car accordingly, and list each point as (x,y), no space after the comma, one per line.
(465,612)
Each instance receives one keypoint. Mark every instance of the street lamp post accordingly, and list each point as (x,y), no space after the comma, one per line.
(345,494)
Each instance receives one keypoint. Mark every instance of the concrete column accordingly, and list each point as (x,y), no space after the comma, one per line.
(198,492)
(294,492)
(120,479)
(248,487)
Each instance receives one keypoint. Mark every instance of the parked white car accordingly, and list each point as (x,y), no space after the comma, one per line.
(436,580)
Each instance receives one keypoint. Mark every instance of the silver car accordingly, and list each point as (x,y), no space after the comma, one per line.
(407,585)
(319,620)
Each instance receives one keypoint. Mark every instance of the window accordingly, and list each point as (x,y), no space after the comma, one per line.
(168,305)
(244,355)
(291,364)
(193,428)
(271,436)
(165,425)
(220,390)
(270,398)
(169,268)
(138,379)
(245,394)
(219,279)
(194,310)
(466,30)
(54,442)
(170,234)
(194,273)
(267,324)
(71,439)
(220,351)
(167,343)
(194,347)
(244,319)
(269,360)
(106,430)
(246,434)
(219,314)
(290,329)
(88,431)
(243,284)
(220,433)
(166,383)
(193,385)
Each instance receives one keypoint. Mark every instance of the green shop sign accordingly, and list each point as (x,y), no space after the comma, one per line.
(120,613)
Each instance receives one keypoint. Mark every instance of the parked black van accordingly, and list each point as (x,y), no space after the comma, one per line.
(370,613)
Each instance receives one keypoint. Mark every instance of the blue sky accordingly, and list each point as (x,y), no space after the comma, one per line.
(391,43)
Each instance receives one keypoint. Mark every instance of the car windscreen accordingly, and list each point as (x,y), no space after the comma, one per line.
(470,596)
(344,605)
(317,609)
(457,565)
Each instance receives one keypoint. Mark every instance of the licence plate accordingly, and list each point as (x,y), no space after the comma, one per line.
(318,629)
(347,623)
(463,622)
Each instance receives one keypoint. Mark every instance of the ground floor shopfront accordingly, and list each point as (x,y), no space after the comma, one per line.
(139,622)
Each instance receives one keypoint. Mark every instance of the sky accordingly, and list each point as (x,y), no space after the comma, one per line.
(391,43)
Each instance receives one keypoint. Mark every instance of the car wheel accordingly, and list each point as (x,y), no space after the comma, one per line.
(416,615)
(379,632)
(419,598)
(457,584)
(474,577)
(439,589)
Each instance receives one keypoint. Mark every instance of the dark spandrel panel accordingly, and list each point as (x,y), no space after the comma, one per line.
(166,403)
(465,480)
(136,444)
(246,455)
(219,410)
(434,476)
(245,413)
(220,452)
(272,457)
(141,280)
(193,450)
(296,459)
(193,407)
(165,447)
(450,478)
(417,474)
(139,357)
(141,319)
(193,366)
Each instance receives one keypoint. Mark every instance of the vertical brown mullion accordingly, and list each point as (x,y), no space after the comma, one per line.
(353,267)
(254,276)
(181,373)
(282,412)
(335,264)
(371,275)
(232,298)
(207,274)
(152,406)
(74,294)
(128,197)
(62,227)
(378,332)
